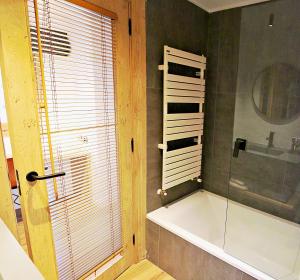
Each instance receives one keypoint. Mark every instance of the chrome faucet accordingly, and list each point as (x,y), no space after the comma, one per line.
(295,144)
(270,139)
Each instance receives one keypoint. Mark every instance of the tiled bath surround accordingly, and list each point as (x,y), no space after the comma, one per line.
(183,260)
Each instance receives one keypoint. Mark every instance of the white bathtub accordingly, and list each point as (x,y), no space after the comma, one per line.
(261,245)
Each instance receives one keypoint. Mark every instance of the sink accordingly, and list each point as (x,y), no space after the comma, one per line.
(265,150)
(281,154)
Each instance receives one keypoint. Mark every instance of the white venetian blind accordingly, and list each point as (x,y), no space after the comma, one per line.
(75,81)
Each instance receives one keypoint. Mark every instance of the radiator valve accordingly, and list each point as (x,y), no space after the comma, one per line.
(161,192)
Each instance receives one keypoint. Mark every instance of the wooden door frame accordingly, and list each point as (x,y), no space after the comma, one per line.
(19,77)
(139,102)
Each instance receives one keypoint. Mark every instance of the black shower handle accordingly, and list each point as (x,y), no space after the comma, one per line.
(239,144)
(33,176)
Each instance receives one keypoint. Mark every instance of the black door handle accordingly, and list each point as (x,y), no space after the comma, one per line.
(239,144)
(34,176)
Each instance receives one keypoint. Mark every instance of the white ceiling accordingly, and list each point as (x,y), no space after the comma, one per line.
(218,5)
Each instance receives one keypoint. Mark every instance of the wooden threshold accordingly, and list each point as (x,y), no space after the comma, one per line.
(145,270)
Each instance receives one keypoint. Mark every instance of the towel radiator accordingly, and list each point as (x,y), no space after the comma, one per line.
(180,124)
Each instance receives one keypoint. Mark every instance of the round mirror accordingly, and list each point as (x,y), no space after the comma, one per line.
(276,93)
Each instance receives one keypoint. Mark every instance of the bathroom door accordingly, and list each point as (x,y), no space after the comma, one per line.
(69,118)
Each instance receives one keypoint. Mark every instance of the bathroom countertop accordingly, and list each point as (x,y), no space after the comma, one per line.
(14,262)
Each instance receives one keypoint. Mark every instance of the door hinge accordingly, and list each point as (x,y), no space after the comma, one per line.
(133,239)
(129,27)
(132,145)
(18,182)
